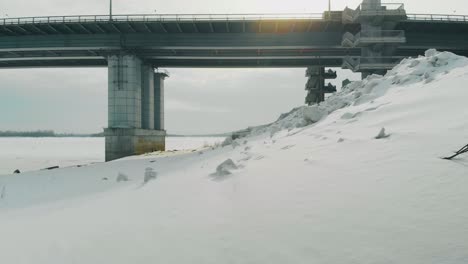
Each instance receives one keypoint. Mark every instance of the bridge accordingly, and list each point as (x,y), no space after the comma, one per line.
(372,38)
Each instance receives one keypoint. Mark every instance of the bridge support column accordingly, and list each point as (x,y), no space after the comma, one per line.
(130,104)
(147,97)
(159,100)
(316,88)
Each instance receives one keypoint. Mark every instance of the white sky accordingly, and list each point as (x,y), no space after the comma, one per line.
(197,100)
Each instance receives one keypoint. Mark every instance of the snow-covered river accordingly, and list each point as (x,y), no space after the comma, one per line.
(28,154)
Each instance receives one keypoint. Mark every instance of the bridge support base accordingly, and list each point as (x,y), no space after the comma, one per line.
(124,142)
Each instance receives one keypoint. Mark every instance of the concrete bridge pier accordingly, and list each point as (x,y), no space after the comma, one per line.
(316,88)
(134,101)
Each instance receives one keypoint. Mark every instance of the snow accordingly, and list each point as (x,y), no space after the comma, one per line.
(29,154)
(313,187)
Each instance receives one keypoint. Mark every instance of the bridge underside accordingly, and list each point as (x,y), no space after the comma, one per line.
(280,43)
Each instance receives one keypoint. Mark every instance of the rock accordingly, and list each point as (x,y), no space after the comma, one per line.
(51,168)
(235,144)
(225,168)
(122,177)
(228,141)
(340,140)
(382,134)
(150,175)
(17,172)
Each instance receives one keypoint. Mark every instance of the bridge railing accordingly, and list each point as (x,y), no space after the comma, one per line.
(157,17)
(438,17)
(204,17)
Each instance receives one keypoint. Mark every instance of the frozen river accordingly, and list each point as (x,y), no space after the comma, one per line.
(28,154)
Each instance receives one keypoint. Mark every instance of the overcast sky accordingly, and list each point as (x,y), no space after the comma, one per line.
(197,100)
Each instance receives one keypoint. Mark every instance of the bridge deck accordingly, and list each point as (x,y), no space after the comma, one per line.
(237,40)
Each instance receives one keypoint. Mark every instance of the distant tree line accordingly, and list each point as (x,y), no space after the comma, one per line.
(45,133)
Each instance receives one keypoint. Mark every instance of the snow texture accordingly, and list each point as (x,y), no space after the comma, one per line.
(297,192)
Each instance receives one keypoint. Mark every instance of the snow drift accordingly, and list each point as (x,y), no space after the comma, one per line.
(322,184)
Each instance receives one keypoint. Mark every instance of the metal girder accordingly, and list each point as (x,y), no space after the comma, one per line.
(52,52)
(293,27)
(10,31)
(195,28)
(100,28)
(258,57)
(147,28)
(309,28)
(131,27)
(50,58)
(115,27)
(211,27)
(263,47)
(69,29)
(60,49)
(14,53)
(38,29)
(53,29)
(163,27)
(22,29)
(178,27)
(85,29)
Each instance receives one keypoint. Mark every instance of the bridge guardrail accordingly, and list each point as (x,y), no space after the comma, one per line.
(209,17)
(438,17)
(157,18)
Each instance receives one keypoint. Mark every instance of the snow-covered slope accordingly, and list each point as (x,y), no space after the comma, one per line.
(314,187)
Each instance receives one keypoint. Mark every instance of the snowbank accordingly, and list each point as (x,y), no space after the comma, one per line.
(410,71)
(316,186)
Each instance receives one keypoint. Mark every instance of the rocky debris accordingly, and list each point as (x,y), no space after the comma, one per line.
(122,177)
(51,168)
(382,134)
(150,175)
(225,168)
